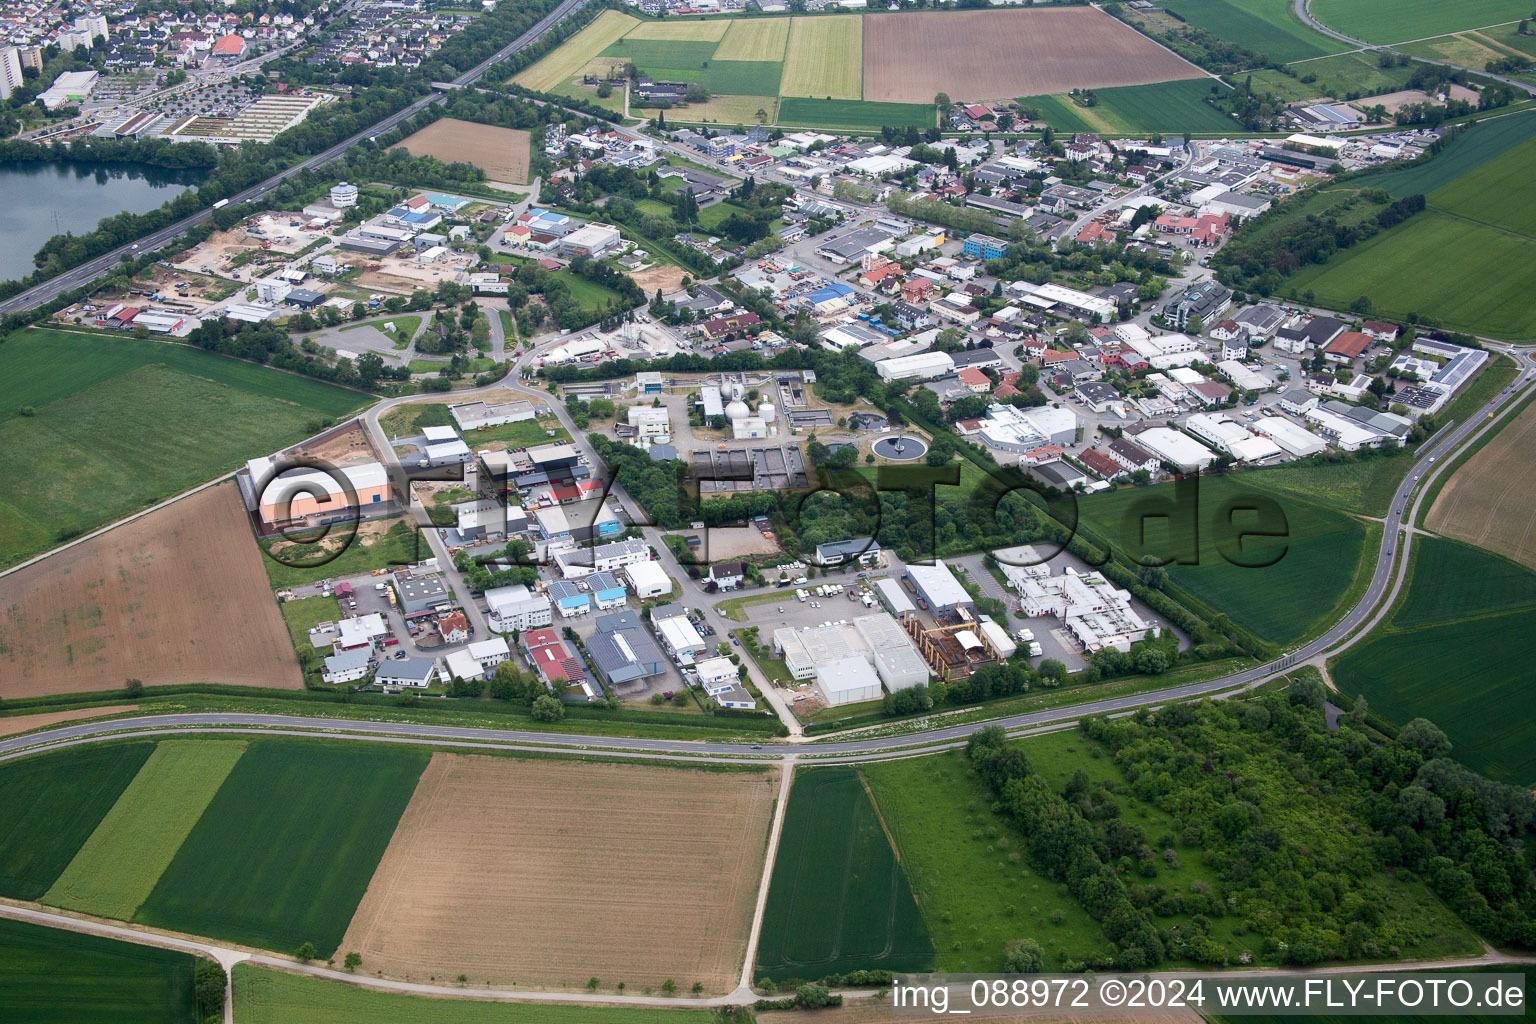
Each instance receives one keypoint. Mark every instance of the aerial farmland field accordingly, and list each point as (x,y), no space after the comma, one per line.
(754,40)
(140,601)
(53,976)
(50,805)
(502,153)
(1266,26)
(839,900)
(547,873)
(264,996)
(277,873)
(119,414)
(854,115)
(1167,106)
(1460,644)
(118,866)
(825,58)
(576,52)
(1394,21)
(1001,54)
(1487,500)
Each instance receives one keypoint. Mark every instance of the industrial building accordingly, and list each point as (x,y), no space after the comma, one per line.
(304,493)
(593,241)
(1297,440)
(863,550)
(474,415)
(1009,428)
(848,680)
(921,366)
(677,632)
(516,608)
(419,594)
(939,589)
(478,659)
(1227,435)
(415,673)
(1180,450)
(1097,613)
(895,600)
(648,579)
(623,650)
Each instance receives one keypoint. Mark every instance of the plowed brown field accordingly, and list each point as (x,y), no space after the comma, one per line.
(1488,500)
(546,873)
(179,596)
(502,153)
(996,55)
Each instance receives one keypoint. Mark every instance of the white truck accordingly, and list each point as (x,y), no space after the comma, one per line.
(1024,636)
(1035,650)
(801,596)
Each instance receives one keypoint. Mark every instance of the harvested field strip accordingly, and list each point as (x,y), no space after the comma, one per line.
(17,724)
(265,996)
(573,54)
(839,899)
(502,153)
(754,40)
(50,805)
(1000,54)
(546,873)
(118,866)
(144,601)
(53,976)
(284,851)
(673,28)
(826,58)
(1488,499)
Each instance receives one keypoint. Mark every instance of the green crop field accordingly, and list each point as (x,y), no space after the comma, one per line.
(1312,566)
(853,115)
(285,850)
(53,976)
(1393,21)
(1362,486)
(825,58)
(662,53)
(1458,652)
(50,805)
(265,996)
(976,891)
(1164,107)
(839,900)
(120,863)
(1266,26)
(1470,259)
(1350,74)
(96,427)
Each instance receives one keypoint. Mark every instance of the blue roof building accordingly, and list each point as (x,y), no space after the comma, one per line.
(606,590)
(569,598)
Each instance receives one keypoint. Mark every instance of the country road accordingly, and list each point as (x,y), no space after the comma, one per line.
(92,269)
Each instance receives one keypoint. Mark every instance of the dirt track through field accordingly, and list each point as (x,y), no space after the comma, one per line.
(1488,500)
(1004,54)
(543,874)
(179,596)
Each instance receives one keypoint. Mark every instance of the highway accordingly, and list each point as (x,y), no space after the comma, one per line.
(86,272)
(1388,577)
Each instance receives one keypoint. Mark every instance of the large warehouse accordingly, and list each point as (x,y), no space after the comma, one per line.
(922,366)
(848,681)
(1297,440)
(938,587)
(1180,449)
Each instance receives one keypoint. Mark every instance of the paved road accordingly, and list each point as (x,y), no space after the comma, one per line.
(87,272)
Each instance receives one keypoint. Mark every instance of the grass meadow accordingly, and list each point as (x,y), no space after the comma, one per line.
(1165,107)
(1266,26)
(839,900)
(96,427)
(1362,486)
(1458,646)
(286,848)
(265,996)
(1306,572)
(50,805)
(118,866)
(53,976)
(575,53)
(976,891)
(1394,21)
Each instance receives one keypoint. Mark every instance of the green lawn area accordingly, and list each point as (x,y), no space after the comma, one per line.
(1362,486)
(735,608)
(1458,652)
(305,614)
(50,805)
(967,867)
(310,563)
(678,54)
(1168,106)
(1353,74)
(472,364)
(1266,26)
(839,900)
(265,996)
(522,434)
(96,427)
(285,850)
(854,115)
(409,324)
(407,420)
(1393,21)
(1304,574)
(53,976)
(120,863)
(590,294)
(508,325)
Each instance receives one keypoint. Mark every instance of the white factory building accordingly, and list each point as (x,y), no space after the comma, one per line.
(517,608)
(1179,449)
(1098,613)
(1011,429)
(922,366)
(1230,436)
(827,653)
(1297,440)
(652,425)
(937,586)
(648,579)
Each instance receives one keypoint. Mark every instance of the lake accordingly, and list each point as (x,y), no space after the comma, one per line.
(46,199)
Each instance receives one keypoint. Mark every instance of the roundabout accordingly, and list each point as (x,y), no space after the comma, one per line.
(901,448)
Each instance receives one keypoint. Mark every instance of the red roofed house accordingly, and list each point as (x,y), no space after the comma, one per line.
(917,290)
(1173,224)
(975,380)
(967,427)
(1095,232)
(1210,393)
(976,111)
(877,274)
(724,326)
(1380,331)
(1347,347)
(549,658)
(230,47)
(1209,230)
(1100,464)
(1042,455)
(1052,355)
(453,628)
(1006,390)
